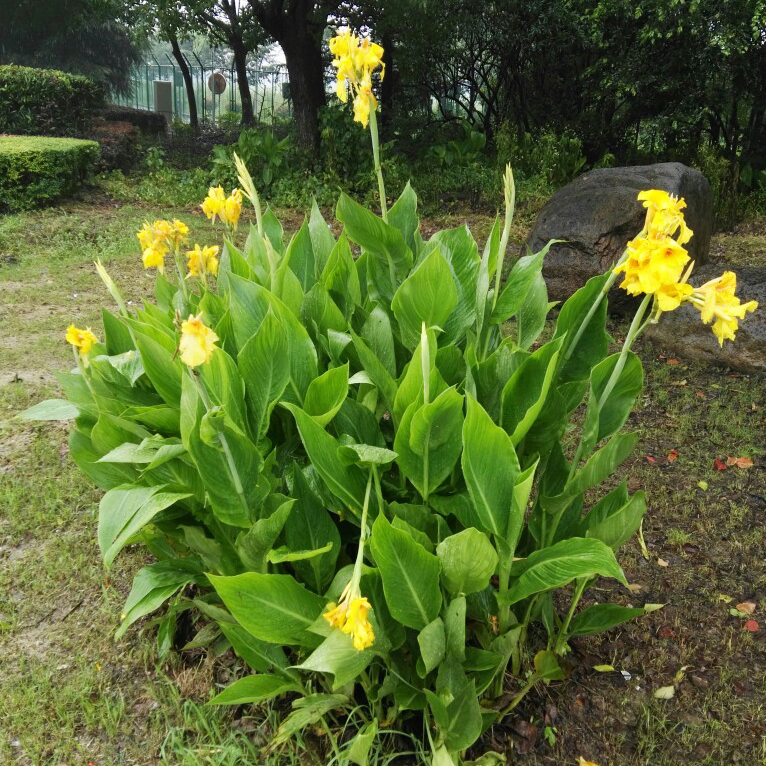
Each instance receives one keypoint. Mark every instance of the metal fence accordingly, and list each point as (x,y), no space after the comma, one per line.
(269,90)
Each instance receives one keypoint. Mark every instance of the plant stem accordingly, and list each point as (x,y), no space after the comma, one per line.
(378,489)
(576,596)
(363,533)
(376,160)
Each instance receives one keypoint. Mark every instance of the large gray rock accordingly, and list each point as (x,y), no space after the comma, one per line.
(598,213)
(683,333)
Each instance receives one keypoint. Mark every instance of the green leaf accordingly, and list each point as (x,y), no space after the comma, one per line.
(157,354)
(326,394)
(427,295)
(547,666)
(359,751)
(124,511)
(468,561)
(308,710)
(264,365)
(379,239)
(346,482)
(525,393)
(601,617)
(410,575)
(433,644)
(428,440)
(602,463)
(322,240)
(273,607)
(490,468)
(377,371)
(258,655)
(377,334)
(336,655)
(284,554)
(615,528)
(299,256)
(253,689)
(531,317)
(518,284)
(255,545)
(366,454)
(50,409)
(403,215)
(558,565)
(152,586)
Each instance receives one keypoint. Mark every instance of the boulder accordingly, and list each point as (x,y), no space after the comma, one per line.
(598,213)
(682,333)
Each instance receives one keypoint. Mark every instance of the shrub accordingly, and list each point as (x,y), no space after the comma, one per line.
(118,142)
(375,472)
(36,170)
(261,152)
(151,123)
(46,102)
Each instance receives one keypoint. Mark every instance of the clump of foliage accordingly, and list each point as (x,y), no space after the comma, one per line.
(260,150)
(370,468)
(37,170)
(46,102)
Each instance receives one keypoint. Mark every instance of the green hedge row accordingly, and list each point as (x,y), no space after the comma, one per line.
(38,170)
(46,102)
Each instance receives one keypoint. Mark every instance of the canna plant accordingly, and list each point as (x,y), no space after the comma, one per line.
(359,459)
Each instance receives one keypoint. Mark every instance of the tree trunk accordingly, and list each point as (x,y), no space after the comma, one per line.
(188,82)
(240,64)
(303,56)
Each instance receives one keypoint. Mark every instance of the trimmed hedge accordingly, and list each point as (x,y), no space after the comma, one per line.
(37,170)
(152,123)
(46,102)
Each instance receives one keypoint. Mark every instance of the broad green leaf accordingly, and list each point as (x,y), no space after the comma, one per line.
(265,368)
(253,689)
(403,215)
(325,394)
(490,468)
(346,482)
(433,644)
(377,371)
(157,354)
(367,454)
(51,409)
(379,239)
(308,710)
(454,628)
(427,295)
(525,393)
(322,240)
(616,528)
(124,511)
(309,526)
(152,586)
(558,565)
(428,440)
(259,655)
(336,655)
(468,561)
(283,554)
(256,543)
(273,607)
(531,317)
(359,750)
(410,575)
(518,284)
(376,333)
(601,617)
(602,463)
(341,279)
(300,257)
(547,666)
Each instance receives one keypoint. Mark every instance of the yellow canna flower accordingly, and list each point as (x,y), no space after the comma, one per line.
(355,61)
(717,303)
(180,233)
(350,616)
(664,216)
(197,341)
(202,260)
(82,339)
(357,626)
(232,208)
(154,257)
(651,264)
(670,297)
(215,202)
(146,236)
(582,762)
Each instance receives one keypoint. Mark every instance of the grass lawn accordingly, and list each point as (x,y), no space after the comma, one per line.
(70,695)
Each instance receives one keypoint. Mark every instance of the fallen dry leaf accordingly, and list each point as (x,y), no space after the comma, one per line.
(650,459)
(662,563)
(634,587)
(679,382)
(751,626)
(700,394)
(740,462)
(672,456)
(746,607)
(673,361)
(720,465)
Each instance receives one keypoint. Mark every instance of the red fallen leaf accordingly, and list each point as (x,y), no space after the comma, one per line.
(673,361)
(719,464)
(672,456)
(740,462)
(751,626)
(650,459)
(666,632)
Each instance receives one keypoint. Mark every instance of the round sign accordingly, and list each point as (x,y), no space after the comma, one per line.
(216,83)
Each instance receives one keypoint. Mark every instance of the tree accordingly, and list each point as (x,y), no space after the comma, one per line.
(81,36)
(298,26)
